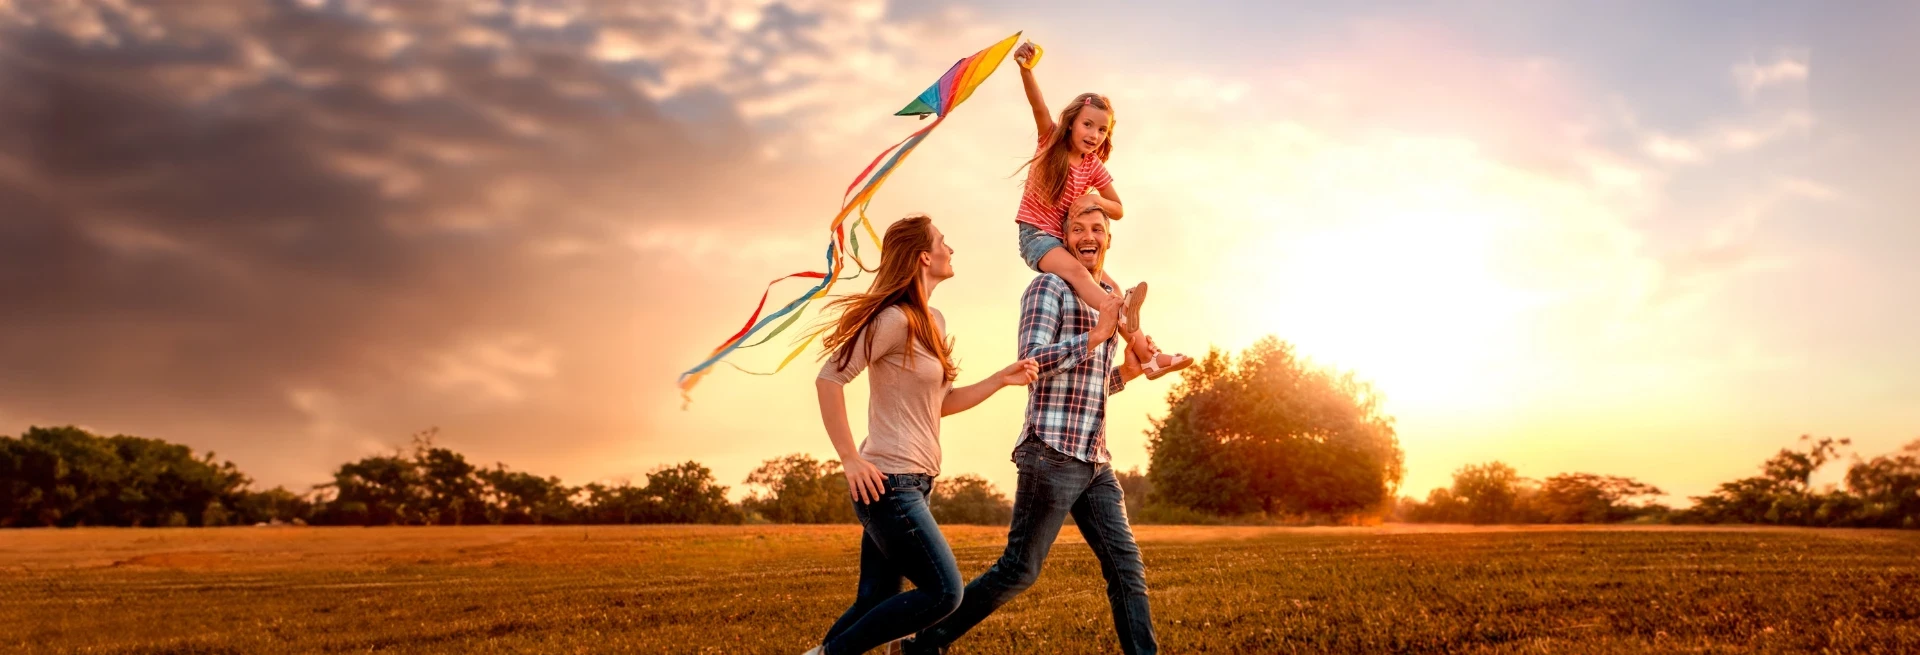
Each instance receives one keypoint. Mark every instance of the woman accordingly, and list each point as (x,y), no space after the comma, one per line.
(893,332)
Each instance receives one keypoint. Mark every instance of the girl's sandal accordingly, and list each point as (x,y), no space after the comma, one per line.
(1154,369)
(1136,297)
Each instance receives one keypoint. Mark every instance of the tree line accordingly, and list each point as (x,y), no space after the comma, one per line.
(1264,434)
(69,477)
(1880,492)
(1262,437)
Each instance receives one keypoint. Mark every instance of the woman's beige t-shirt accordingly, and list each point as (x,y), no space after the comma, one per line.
(903,413)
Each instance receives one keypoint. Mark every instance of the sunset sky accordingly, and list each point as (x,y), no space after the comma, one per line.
(1659,240)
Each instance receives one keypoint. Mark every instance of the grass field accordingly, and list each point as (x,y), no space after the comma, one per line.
(687,589)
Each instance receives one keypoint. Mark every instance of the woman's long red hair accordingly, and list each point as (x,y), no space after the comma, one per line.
(896,283)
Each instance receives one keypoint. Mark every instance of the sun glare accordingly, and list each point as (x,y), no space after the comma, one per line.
(1406,298)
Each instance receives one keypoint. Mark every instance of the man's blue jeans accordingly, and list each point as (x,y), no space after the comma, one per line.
(900,541)
(1053,485)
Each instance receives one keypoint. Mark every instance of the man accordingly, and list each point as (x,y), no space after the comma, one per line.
(1062,455)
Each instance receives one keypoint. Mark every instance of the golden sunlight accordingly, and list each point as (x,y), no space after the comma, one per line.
(1420,263)
(1411,300)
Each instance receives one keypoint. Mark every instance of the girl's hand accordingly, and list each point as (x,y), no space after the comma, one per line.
(864,480)
(1020,373)
(1081,204)
(1024,54)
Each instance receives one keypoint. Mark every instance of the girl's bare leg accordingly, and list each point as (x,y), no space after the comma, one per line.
(1058,262)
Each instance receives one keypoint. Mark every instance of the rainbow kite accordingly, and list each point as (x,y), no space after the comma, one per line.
(939,101)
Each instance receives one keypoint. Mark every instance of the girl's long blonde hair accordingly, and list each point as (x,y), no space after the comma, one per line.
(1047,170)
(896,283)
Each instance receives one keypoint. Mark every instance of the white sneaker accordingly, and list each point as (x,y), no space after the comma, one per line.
(813,651)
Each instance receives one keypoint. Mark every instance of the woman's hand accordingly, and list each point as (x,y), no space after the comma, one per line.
(1019,374)
(864,480)
(1024,54)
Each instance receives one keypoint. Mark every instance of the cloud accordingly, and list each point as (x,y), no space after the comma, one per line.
(1761,126)
(1666,148)
(499,368)
(1788,68)
(1731,136)
(1738,138)
(344,221)
(1810,189)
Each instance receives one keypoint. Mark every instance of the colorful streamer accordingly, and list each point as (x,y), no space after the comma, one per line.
(938,100)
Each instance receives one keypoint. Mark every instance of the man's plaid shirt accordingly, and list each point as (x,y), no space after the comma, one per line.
(1067,406)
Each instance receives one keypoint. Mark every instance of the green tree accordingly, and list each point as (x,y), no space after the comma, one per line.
(165,477)
(451,488)
(521,498)
(74,475)
(1494,493)
(618,504)
(1782,494)
(1489,492)
(1442,506)
(276,504)
(1590,498)
(29,475)
(1270,433)
(1888,489)
(1136,488)
(382,490)
(799,489)
(687,493)
(67,476)
(969,499)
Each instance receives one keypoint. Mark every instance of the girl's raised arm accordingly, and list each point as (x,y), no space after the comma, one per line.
(1042,120)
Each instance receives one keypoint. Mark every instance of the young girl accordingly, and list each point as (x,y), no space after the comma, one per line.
(1070,161)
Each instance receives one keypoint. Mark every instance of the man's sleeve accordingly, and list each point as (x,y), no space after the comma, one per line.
(1040,309)
(1115,381)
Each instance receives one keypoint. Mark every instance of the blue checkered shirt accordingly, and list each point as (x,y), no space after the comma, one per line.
(1067,406)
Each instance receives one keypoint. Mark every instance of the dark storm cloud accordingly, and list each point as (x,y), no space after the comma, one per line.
(204,204)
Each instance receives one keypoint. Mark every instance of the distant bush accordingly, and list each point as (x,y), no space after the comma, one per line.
(70,477)
(969,499)
(1882,492)
(799,489)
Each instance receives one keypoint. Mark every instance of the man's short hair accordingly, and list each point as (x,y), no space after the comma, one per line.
(1094,208)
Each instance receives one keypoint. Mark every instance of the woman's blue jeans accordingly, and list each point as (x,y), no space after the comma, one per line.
(901,542)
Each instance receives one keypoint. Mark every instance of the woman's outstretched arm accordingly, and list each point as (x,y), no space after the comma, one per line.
(960,399)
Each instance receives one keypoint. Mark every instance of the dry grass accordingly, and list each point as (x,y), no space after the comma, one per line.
(693,589)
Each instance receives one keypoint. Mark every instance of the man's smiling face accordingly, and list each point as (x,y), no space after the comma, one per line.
(1087,238)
